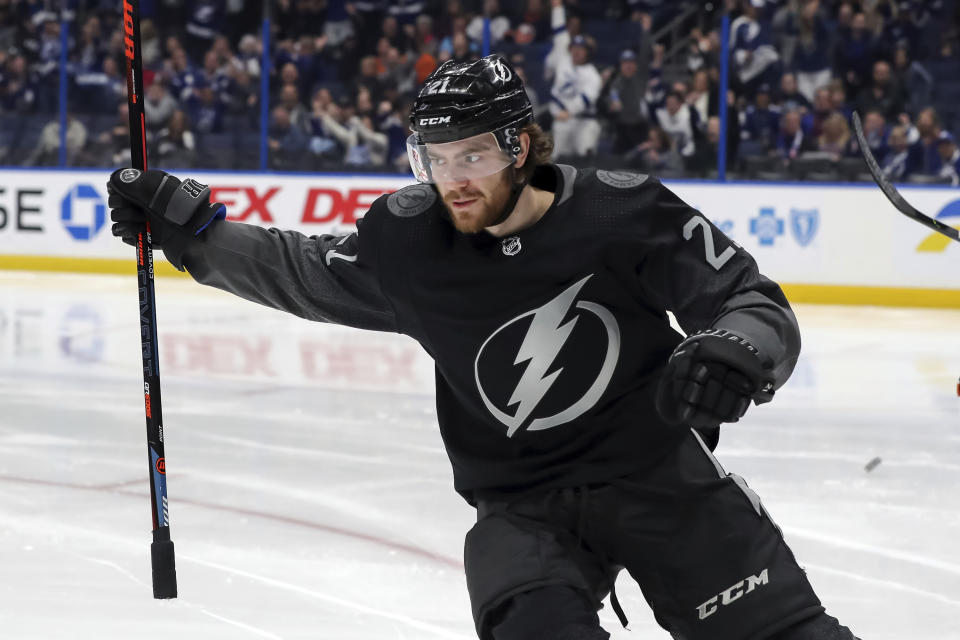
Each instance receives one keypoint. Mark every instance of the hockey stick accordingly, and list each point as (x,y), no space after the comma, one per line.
(891,192)
(161,549)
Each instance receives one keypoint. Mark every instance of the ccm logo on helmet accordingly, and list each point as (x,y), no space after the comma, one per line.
(438,120)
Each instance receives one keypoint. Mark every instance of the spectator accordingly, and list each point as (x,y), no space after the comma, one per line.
(761,120)
(227,62)
(112,147)
(214,76)
(535,15)
(158,106)
(657,154)
(457,48)
(289,75)
(369,79)
(398,71)
(47,151)
(250,51)
(204,23)
(182,75)
(394,124)
(915,80)
(754,56)
(883,93)
(398,37)
(286,141)
(792,140)
(702,97)
(101,91)
(950,158)
(242,99)
(538,108)
(810,58)
(18,89)
(46,68)
(338,26)
(838,98)
(296,112)
(363,146)
(206,110)
(680,121)
(822,108)
(425,63)
(322,143)
(902,31)
(875,131)
(406,11)
(704,161)
(425,38)
(576,88)
(90,50)
(370,149)
(835,137)
(560,23)
(900,161)
(176,146)
(626,105)
(499,23)
(855,54)
(926,146)
(790,98)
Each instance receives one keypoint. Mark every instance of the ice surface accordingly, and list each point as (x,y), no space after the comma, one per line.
(310,496)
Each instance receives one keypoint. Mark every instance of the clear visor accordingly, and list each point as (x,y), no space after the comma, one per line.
(467,159)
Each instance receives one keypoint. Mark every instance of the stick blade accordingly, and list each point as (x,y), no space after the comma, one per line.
(891,192)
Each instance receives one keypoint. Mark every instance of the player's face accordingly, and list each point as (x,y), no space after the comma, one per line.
(476,204)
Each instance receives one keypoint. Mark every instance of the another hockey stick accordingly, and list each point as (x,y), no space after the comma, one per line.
(891,192)
(161,549)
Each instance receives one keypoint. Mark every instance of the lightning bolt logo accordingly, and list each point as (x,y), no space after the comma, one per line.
(540,347)
(545,338)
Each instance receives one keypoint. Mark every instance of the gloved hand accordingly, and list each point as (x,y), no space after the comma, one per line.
(711,378)
(172,206)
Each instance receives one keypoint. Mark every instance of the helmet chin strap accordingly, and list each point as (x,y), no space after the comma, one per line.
(515,192)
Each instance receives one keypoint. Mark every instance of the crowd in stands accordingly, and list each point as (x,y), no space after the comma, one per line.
(627,84)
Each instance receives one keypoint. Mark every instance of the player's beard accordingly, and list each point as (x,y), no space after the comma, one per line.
(485,211)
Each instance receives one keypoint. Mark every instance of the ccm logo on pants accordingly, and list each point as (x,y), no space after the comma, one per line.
(732,593)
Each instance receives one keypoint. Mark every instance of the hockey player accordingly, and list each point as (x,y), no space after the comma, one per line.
(568,406)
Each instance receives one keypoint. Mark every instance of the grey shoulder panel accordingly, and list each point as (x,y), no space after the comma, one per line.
(569,175)
(411,201)
(621,179)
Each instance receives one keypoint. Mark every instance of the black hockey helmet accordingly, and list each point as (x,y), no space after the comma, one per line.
(467,99)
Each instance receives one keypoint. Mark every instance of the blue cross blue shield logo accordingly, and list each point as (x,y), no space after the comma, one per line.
(83,212)
(766,226)
(804,224)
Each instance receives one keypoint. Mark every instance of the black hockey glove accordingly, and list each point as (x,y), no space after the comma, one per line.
(172,206)
(711,378)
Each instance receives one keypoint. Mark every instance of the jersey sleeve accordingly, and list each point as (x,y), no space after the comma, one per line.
(691,268)
(324,278)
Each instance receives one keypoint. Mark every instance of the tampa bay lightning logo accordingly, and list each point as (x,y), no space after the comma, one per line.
(547,395)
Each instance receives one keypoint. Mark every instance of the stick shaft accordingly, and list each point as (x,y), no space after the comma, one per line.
(164,573)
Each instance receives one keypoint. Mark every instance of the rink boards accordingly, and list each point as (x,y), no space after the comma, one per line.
(824,242)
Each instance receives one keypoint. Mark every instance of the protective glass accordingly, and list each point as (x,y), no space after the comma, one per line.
(467,159)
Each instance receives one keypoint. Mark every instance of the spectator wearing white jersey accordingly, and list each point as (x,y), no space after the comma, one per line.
(680,121)
(576,89)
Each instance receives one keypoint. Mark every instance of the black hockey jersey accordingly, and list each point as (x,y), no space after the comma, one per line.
(547,343)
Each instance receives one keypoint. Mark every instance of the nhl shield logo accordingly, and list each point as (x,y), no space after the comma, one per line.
(804,224)
(511,246)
